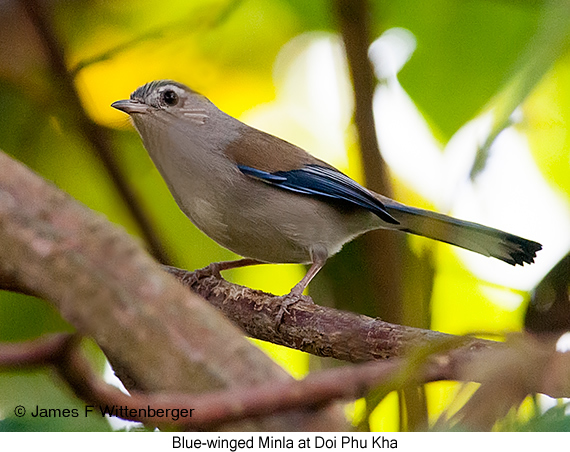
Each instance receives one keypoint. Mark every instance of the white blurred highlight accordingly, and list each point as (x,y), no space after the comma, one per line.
(510,194)
(115,422)
(314,101)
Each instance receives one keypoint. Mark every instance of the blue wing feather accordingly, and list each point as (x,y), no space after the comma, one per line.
(322,181)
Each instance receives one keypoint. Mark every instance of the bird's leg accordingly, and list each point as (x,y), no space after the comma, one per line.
(215,268)
(296,293)
(299,288)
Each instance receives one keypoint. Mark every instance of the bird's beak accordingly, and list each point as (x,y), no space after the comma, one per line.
(130,106)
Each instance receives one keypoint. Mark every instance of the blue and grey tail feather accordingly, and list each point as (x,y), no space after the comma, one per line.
(475,237)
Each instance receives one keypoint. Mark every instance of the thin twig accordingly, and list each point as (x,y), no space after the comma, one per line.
(39,352)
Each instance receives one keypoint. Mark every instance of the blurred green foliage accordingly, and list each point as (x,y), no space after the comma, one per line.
(468,53)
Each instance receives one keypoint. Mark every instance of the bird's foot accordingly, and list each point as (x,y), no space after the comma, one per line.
(211,270)
(287,301)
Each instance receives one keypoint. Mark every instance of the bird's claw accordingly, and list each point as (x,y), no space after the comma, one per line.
(286,302)
(211,270)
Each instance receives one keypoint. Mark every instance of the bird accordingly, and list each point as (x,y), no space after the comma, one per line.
(270,201)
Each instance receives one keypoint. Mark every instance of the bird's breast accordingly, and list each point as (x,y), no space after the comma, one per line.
(259,221)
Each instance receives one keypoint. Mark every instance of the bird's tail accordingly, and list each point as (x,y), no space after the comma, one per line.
(472,236)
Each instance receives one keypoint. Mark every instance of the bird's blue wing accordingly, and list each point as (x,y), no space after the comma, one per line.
(322,181)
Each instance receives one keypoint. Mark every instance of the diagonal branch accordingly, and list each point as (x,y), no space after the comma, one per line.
(96,135)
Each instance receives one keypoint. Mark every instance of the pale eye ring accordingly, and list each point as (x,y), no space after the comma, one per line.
(170,98)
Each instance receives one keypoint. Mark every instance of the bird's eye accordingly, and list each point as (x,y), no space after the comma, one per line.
(170,98)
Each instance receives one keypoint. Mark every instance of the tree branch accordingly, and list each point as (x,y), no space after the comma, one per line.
(312,328)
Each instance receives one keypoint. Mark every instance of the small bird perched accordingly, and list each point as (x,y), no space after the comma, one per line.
(270,201)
